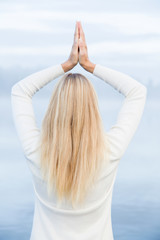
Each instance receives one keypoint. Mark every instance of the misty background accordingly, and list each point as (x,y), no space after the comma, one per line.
(123,35)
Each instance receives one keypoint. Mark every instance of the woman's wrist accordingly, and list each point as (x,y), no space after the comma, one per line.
(89,66)
(67,66)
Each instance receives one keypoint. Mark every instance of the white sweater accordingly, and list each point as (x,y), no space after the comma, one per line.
(60,222)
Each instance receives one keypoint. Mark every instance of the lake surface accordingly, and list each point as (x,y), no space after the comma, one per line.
(136,196)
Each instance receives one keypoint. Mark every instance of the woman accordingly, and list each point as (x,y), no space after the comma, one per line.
(72,159)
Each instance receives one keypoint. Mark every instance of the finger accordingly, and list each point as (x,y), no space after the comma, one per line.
(75,42)
(82,35)
(76,33)
(78,29)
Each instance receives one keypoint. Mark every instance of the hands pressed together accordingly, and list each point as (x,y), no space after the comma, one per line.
(79,52)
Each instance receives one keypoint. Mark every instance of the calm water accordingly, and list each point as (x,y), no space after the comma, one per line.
(136,196)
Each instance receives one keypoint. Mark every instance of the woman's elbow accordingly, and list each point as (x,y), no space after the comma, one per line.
(144,89)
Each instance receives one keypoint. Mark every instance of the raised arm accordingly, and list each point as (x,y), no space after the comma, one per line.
(121,133)
(22,109)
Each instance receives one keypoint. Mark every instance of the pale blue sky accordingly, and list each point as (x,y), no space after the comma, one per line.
(124,35)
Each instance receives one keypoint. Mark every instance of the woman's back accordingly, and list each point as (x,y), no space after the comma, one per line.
(92,220)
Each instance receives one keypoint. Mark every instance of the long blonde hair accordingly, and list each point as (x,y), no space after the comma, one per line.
(73,140)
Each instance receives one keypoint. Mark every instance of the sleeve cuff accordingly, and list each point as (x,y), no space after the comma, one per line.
(60,69)
(96,69)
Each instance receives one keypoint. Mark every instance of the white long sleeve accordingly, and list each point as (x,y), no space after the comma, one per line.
(23,113)
(93,221)
(121,133)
